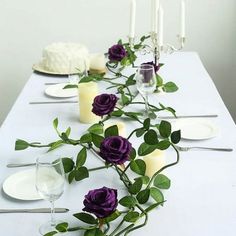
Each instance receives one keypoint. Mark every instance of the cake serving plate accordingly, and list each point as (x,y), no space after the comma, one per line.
(39,68)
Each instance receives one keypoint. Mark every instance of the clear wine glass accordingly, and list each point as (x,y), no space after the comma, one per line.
(50,179)
(77,70)
(146,83)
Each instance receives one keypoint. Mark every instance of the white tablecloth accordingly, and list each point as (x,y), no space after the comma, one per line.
(201,200)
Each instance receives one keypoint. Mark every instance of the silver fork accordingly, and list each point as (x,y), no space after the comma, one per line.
(184,149)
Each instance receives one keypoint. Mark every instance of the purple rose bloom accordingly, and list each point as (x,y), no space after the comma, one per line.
(101,202)
(115,149)
(156,67)
(104,104)
(116,52)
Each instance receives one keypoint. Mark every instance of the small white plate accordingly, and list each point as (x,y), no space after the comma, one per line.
(196,129)
(21,185)
(57,91)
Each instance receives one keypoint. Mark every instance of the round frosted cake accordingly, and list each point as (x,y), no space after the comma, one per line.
(65,58)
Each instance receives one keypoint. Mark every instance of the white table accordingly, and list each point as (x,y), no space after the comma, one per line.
(202,198)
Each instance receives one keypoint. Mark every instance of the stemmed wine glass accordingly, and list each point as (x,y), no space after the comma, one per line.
(146,83)
(50,179)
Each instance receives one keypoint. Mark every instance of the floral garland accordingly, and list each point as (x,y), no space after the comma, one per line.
(117,152)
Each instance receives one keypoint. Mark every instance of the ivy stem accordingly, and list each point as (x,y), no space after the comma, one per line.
(117,228)
(125,229)
(132,133)
(99,168)
(165,167)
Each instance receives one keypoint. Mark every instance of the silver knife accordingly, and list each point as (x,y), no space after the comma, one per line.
(13,165)
(53,102)
(188,116)
(34,210)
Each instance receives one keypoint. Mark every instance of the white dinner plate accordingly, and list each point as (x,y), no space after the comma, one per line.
(57,91)
(21,185)
(196,129)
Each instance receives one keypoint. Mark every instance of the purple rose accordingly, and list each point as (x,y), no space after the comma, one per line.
(156,67)
(116,52)
(104,104)
(115,149)
(101,202)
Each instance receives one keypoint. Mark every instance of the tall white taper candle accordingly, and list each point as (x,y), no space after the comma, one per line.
(132,18)
(155,6)
(160,26)
(183,14)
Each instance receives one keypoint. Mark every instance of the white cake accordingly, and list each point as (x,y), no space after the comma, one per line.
(65,58)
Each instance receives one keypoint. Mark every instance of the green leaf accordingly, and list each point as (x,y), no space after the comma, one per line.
(143,196)
(64,137)
(62,227)
(68,131)
(145,179)
(55,123)
(86,79)
(68,164)
(151,137)
(86,138)
(133,154)
(146,124)
(136,186)
(81,173)
(71,86)
(132,216)
(163,145)
(81,157)
(96,129)
(112,217)
(153,206)
(117,113)
(93,232)
(130,81)
(55,145)
(124,99)
(170,87)
(128,201)
(51,233)
(159,81)
(161,181)
(165,129)
(71,176)
(156,195)
(145,149)
(86,218)
(140,132)
(112,131)
(176,136)
(21,144)
(97,140)
(138,166)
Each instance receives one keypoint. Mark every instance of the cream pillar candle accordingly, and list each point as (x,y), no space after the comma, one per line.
(97,61)
(182,24)
(87,93)
(154,162)
(160,26)
(132,18)
(121,128)
(155,9)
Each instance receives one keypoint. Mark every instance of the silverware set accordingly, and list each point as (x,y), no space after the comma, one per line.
(34,210)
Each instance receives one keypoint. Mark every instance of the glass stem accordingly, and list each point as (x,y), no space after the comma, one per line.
(52,214)
(146,104)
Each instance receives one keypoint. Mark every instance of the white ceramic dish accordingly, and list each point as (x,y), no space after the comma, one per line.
(196,129)
(57,91)
(21,185)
